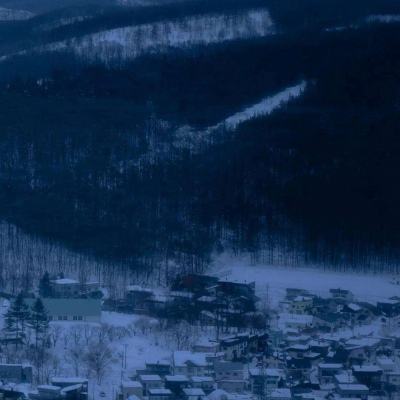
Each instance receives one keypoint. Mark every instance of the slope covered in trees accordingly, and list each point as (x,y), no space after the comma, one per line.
(90,154)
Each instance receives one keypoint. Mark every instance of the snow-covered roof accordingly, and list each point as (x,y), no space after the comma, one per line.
(266,372)
(363,342)
(345,377)
(181,358)
(218,394)
(193,392)
(283,392)
(131,384)
(71,380)
(296,318)
(176,378)
(354,307)
(149,378)
(353,387)
(65,281)
(330,365)
(160,391)
(201,379)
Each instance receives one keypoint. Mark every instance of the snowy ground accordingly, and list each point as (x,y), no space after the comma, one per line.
(273,280)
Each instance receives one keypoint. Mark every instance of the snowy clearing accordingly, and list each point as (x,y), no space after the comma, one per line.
(275,279)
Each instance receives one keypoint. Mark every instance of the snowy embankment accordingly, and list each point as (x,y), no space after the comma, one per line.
(272,280)
(7,14)
(127,43)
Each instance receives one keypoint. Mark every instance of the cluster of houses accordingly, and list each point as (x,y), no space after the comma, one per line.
(313,348)
(16,378)
(197,298)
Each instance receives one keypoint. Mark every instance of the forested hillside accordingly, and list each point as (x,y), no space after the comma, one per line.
(114,139)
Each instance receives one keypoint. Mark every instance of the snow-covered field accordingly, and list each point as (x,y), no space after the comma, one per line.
(273,280)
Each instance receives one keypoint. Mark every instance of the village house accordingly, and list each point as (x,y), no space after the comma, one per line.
(193,394)
(194,283)
(362,349)
(328,371)
(70,288)
(161,368)
(228,370)
(292,293)
(234,347)
(206,383)
(342,294)
(206,346)
(150,382)
(232,385)
(264,380)
(281,394)
(353,391)
(389,307)
(176,383)
(159,394)
(136,298)
(189,363)
(300,305)
(131,388)
(369,375)
(296,321)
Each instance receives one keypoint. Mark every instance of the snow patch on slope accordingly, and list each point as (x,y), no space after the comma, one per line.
(189,138)
(7,14)
(133,41)
(265,106)
(384,18)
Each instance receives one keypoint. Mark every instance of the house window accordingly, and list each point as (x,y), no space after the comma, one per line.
(65,318)
(80,318)
(75,318)
(60,318)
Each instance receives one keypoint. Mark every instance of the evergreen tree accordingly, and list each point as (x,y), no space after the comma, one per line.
(45,289)
(16,319)
(39,321)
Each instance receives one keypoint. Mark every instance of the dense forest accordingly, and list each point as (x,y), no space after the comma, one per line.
(92,157)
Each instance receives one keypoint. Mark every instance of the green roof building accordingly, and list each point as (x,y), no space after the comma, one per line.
(87,310)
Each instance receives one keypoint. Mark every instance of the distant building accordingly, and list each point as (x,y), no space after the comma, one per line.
(228,370)
(131,388)
(189,363)
(263,380)
(67,288)
(150,382)
(341,294)
(206,383)
(193,394)
(353,390)
(159,394)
